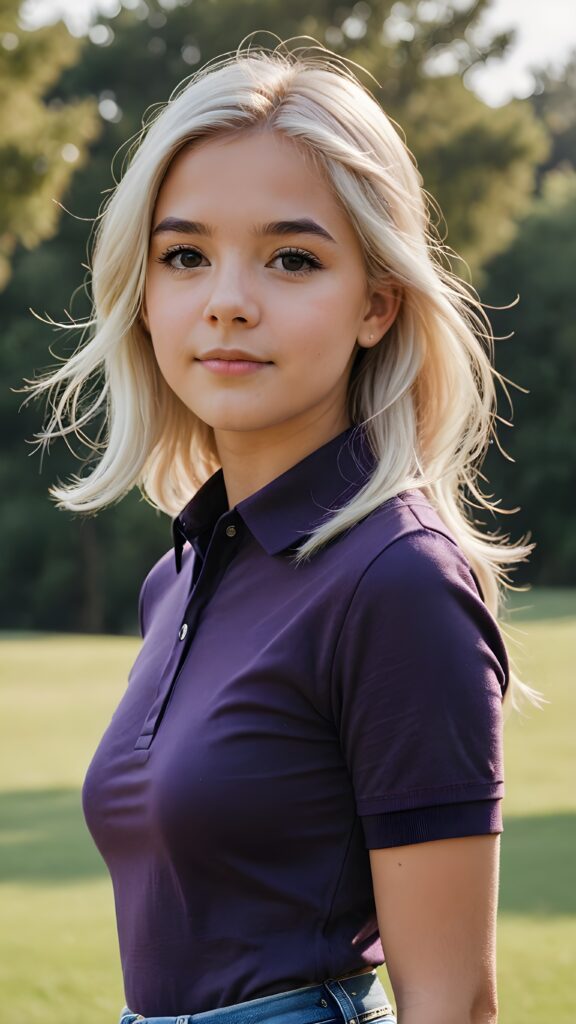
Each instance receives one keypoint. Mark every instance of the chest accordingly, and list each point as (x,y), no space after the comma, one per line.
(233,727)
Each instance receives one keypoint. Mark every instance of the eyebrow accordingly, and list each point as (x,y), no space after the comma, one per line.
(302,226)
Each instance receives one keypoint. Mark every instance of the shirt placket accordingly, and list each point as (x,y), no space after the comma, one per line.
(221,550)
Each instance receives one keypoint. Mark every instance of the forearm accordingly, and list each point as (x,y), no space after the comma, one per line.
(448,1012)
(446,1016)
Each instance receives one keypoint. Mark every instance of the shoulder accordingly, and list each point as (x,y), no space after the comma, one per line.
(416,600)
(408,549)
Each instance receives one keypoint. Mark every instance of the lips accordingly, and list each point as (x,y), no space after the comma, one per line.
(230,355)
(233,367)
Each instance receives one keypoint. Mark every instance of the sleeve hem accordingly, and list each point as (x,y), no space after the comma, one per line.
(417,798)
(421,825)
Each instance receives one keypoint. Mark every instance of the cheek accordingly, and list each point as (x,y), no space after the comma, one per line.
(167,308)
(169,325)
(324,327)
(165,342)
(335,305)
(331,324)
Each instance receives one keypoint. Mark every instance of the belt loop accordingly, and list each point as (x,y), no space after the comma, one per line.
(345,1004)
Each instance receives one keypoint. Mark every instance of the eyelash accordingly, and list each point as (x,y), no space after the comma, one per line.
(313,262)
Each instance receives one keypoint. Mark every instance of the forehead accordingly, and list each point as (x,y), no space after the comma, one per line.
(249,175)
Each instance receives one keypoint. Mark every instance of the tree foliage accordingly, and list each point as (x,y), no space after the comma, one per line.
(541,357)
(554,103)
(40,144)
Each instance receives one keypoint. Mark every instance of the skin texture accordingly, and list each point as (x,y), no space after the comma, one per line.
(435,901)
(238,293)
(437,905)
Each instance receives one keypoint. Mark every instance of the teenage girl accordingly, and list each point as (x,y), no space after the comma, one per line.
(303,778)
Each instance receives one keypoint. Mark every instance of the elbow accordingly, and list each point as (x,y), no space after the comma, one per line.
(485,1009)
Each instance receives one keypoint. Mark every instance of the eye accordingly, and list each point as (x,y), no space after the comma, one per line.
(298,256)
(184,253)
(185,257)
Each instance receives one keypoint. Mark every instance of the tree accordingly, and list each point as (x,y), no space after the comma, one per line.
(40,145)
(554,103)
(541,358)
(478,163)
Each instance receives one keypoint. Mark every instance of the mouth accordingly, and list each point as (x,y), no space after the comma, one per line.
(233,367)
(219,359)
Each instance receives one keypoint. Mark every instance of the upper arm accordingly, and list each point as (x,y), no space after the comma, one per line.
(436,904)
(418,678)
(417,695)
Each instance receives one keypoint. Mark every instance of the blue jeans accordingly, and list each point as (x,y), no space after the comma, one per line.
(360,999)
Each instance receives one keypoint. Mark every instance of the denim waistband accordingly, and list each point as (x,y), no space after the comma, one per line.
(359,999)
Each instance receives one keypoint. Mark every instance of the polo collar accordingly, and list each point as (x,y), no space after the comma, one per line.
(290,507)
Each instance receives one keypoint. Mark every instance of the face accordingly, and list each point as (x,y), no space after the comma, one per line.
(250,251)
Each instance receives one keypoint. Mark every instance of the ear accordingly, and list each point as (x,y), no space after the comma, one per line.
(382,309)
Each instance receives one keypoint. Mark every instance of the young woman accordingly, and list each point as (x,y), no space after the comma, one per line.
(303,778)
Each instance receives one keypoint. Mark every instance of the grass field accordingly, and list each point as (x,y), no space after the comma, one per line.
(59,960)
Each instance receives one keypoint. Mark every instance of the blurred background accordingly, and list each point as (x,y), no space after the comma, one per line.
(485,93)
(501,168)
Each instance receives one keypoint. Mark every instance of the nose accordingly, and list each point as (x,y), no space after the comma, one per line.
(231,296)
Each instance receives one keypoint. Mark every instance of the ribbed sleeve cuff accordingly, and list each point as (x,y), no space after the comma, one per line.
(422,824)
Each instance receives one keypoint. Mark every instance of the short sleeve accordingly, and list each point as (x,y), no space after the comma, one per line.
(419,673)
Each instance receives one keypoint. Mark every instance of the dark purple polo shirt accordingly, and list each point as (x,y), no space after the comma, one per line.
(279,722)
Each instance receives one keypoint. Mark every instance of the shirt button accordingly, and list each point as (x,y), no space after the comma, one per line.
(230,531)
(183,631)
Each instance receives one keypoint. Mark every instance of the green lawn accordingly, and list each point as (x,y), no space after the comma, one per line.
(59,960)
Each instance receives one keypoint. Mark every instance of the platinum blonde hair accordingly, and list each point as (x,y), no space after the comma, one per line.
(426,392)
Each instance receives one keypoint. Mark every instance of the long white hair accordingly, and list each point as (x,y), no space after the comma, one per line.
(426,394)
